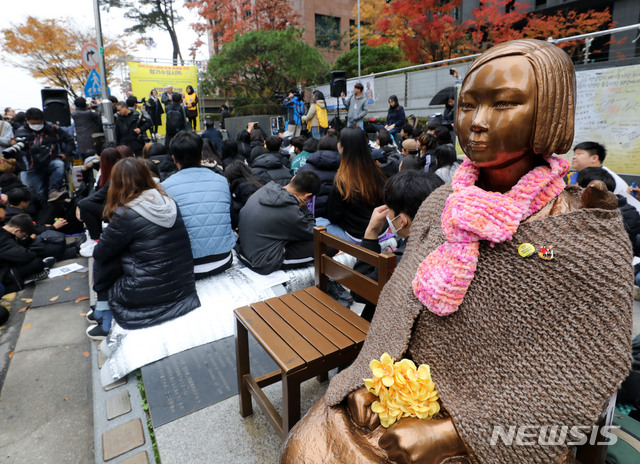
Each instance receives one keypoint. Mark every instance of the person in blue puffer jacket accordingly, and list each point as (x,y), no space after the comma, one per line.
(205,204)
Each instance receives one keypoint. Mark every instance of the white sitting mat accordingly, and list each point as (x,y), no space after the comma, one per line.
(219,295)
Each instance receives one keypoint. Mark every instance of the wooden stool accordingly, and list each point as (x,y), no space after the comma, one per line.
(307,333)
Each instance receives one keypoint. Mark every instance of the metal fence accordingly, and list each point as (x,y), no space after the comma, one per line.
(415,86)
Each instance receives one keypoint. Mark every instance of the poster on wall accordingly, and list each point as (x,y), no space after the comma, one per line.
(608,112)
(367,83)
(147,77)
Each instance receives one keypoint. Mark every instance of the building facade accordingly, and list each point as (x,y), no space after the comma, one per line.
(326,24)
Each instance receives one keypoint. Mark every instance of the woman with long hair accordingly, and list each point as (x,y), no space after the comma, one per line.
(395,117)
(90,209)
(191,105)
(155,110)
(357,188)
(148,243)
(317,112)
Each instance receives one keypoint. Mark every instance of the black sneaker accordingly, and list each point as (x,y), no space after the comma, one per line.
(91,317)
(95,332)
(37,277)
(49,261)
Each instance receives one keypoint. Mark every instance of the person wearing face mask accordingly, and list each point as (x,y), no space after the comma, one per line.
(42,159)
(403,195)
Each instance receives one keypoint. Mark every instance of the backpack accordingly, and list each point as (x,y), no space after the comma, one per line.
(175,122)
(323,120)
(49,243)
(336,123)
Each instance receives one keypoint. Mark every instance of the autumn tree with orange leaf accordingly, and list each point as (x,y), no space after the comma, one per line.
(50,50)
(425,30)
(370,11)
(226,18)
(496,21)
(567,24)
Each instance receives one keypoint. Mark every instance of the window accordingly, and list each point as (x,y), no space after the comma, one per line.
(328,32)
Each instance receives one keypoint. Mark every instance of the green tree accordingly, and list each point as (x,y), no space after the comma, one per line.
(259,64)
(150,14)
(372,60)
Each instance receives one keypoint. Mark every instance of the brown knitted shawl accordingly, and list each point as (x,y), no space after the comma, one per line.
(534,342)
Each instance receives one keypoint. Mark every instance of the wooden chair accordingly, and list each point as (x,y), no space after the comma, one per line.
(307,333)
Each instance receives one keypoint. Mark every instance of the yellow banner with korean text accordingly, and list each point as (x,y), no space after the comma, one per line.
(147,77)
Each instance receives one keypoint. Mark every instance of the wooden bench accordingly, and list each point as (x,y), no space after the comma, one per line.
(307,333)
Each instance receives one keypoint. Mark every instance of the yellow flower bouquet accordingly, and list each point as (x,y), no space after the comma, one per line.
(402,390)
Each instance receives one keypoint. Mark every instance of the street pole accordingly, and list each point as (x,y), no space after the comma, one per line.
(105,103)
(359,72)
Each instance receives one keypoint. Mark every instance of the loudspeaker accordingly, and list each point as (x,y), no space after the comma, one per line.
(338,83)
(55,105)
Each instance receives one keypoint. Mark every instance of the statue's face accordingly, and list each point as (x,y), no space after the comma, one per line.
(496,112)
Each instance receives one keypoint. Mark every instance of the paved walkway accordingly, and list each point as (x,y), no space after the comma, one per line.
(46,398)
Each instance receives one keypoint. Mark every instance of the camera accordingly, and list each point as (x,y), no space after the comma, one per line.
(451,71)
(16,148)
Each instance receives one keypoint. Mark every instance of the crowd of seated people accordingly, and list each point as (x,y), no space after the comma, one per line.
(260,195)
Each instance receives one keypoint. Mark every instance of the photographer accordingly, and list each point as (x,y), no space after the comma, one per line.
(294,104)
(131,126)
(87,122)
(41,149)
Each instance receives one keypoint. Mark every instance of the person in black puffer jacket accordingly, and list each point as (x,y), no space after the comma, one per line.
(147,235)
(387,156)
(230,153)
(257,138)
(157,153)
(325,163)
(244,144)
(270,166)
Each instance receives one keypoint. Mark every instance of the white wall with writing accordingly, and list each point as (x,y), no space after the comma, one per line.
(608,112)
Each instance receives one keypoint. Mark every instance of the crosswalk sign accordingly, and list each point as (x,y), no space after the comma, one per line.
(93,87)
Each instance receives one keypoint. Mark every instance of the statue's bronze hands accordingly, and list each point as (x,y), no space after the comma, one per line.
(359,403)
(418,441)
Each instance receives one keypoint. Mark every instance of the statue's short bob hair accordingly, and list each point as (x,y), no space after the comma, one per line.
(556,82)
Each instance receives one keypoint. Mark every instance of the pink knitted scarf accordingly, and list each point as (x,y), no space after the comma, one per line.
(472,214)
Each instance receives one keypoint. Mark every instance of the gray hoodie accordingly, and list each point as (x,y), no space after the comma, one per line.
(271,218)
(357,107)
(155,207)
